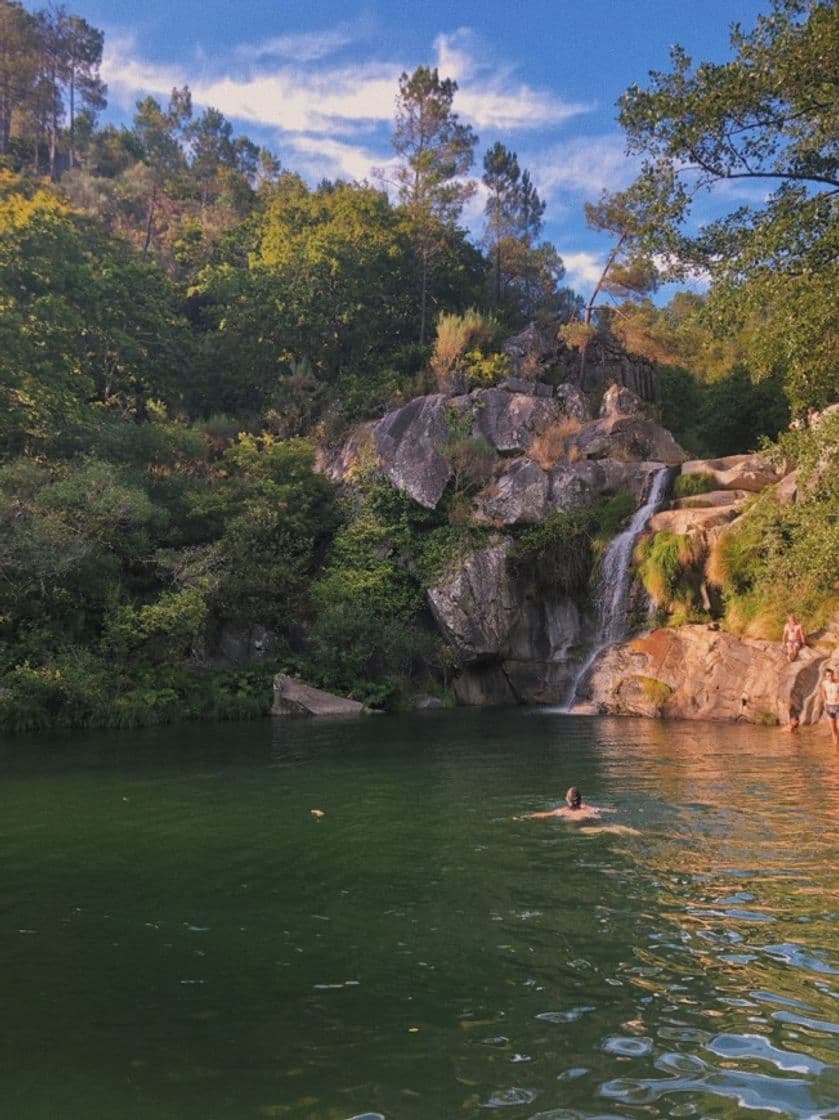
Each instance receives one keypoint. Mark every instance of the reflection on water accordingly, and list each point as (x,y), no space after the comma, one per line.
(182,939)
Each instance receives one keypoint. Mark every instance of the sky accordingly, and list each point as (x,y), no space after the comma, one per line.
(316,80)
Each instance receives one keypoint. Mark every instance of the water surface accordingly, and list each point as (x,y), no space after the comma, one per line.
(182,940)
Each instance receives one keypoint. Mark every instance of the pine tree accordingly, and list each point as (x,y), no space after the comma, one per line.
(435,150)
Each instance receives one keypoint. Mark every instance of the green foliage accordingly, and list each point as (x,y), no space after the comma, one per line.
(559,553)
(657,692)
(690,485)
(369,634)
(780,558)
(765,116)
(660,561)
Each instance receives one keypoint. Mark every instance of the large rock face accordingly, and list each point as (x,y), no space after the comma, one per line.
(516,645)
(410,442)
(293,698)
(628,437)
(508,421)
(525,493)
(736,472)
(477,607)
(694,672)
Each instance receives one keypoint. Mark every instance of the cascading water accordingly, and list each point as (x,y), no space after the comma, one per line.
(613,583)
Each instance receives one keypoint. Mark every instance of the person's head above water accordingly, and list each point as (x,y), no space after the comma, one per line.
(573,798)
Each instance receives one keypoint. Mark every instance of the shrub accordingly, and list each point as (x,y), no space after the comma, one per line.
(556,552)
(659,558)
(455,335)
(689,485)
(657,692)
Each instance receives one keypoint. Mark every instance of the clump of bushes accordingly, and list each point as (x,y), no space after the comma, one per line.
(462,352)
(690,485)
(560,552)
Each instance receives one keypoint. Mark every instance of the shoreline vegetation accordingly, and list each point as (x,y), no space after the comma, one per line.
(187,327)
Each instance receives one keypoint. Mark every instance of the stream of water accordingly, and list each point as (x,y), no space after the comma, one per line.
(612,597)
(183,940)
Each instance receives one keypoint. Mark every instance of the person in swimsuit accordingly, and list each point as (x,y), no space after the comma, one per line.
(830,696)
(574,809)
(793,638)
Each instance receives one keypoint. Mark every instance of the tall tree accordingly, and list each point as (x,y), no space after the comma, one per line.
(435,151)
(80,47)
(501,179)
(18,38)
(766,118)
(159,132)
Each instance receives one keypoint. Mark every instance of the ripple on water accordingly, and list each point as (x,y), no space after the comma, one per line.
(789,1096)
(569,1016)
(627,1046)
(507,1098)
(759,1048)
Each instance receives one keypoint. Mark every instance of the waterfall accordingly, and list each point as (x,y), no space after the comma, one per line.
(612,597)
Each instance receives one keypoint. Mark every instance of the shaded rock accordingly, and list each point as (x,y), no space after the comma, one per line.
(409,441)
(477,606)
(484,686)
(576,485)
(574,402)
(531,351)
(426,703)
(233,646)
(518,497)
(293,698)
(628,437)
(529,388)
(607,363)
(736,472)
(693,672)
(686,521)
(508,421)
(524,493)
(620,400)
(786,491)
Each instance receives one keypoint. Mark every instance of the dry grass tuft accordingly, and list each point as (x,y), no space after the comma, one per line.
(556,443)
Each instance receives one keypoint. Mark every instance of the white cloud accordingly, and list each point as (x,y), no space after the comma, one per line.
(305,47)
(582,269)
(585,166)
(324,157)
(489,96)
(276,84)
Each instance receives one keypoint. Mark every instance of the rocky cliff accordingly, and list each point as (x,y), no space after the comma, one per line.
(516,639)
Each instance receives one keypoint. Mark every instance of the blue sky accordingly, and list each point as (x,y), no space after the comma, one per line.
(316,81)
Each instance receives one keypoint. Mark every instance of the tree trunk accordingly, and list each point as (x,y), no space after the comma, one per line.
(423,294)
(150,220)
(72,116)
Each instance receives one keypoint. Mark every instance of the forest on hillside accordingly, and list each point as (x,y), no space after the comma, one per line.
(184,321)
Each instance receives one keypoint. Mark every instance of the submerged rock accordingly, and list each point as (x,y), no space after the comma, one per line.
(293,698)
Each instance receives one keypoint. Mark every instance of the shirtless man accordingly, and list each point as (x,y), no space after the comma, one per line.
(793,637)
(574,809)
(830,696)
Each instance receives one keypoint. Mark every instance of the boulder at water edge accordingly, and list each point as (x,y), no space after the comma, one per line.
(695,672)
(293,698)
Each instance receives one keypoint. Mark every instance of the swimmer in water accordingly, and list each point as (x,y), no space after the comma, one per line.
(574,809)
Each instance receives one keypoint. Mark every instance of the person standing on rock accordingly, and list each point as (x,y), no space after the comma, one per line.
(830,695)
(793,638)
